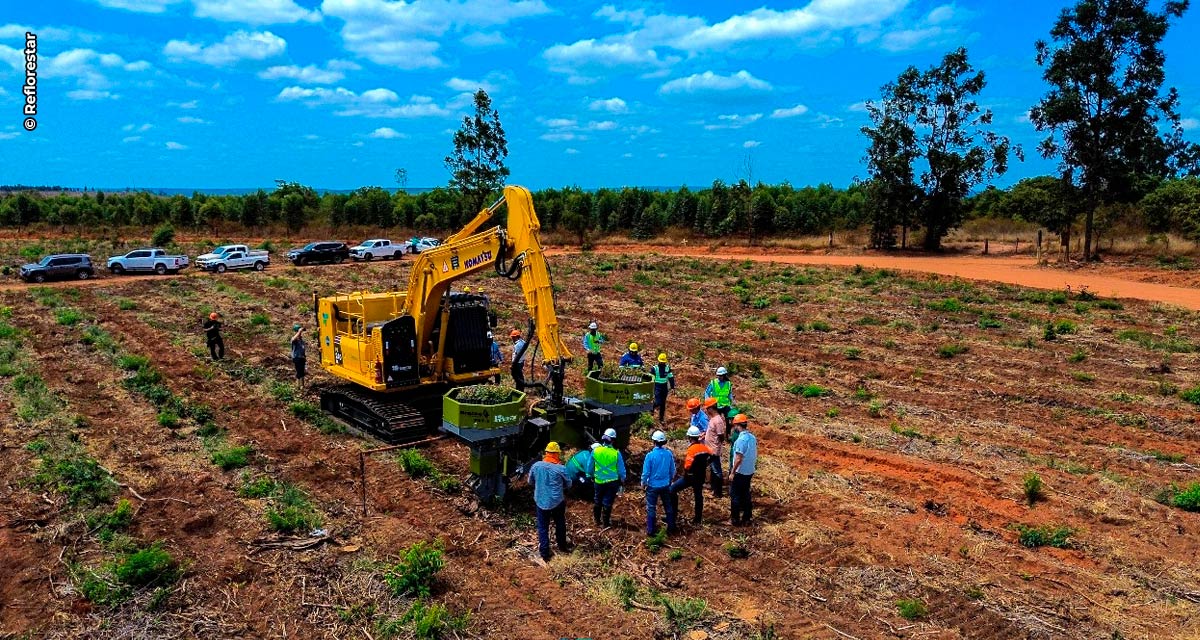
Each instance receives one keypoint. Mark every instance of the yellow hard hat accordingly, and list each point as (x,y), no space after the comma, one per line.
(633,347)
(662,357)
(553,448)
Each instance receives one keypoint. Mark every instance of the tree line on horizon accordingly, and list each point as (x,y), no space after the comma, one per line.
(931,156)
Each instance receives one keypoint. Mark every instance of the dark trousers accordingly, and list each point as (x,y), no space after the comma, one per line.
(300,367)
(697,487)
(595,361)
(739,499)
(518,375)
(583,489)
(653,496)
(724,411)
(216,347)
(660,400)
(559,516)
(606,494)
(718,478)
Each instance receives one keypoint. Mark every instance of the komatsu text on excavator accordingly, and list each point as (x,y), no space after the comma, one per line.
(401,352)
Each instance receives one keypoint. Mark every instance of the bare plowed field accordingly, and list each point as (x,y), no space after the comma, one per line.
(900,420)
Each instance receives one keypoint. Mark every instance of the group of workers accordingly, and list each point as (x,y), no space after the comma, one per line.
(598,473)
(296,346)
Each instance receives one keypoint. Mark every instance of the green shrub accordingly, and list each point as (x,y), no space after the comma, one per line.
(1044,536)
(119,518)
(434,621)
(290,510)
(820,325)
(1191,395)
(283,391)
(951,305)
(76,476)
(151,565)
(912,609)
(313,415)
(125,304)
(736,548)
(1083,376)
(232,457)
(260,320)
(1110,305)
(259,487)
(1079,356)
(132,362)
(808,390)
(415,463)
(656,541)
(951,350)
(168,419)
(1189,498)
(875,409)
(675,555)
(417,570)
(853,353)
(1033,488)
(69,317)
(683,613)
(987,321)
(163,236)
(496,394)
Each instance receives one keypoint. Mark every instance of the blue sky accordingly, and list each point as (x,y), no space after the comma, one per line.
(339,93)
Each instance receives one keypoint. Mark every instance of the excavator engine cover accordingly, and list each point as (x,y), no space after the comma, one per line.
(400,353)
(467,342)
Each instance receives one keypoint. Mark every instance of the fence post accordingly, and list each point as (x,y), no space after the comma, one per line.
(985,246)
(1039,246)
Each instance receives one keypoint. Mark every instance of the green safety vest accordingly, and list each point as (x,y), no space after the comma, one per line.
(591,342)
(721,392)
(666,375)
(606,464)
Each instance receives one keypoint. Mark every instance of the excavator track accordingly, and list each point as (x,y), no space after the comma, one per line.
(379,415)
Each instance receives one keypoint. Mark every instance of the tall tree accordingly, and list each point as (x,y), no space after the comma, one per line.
(293,211)
(477,164)
(1106,110)
(932,120)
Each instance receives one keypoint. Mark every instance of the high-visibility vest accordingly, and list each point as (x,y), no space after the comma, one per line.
(591,342)
(605,459)
(722,392)
(665,370)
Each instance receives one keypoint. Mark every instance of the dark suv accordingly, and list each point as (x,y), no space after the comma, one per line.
(319,252)
(59,267)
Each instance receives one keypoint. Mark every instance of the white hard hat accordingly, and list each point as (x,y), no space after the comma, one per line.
(610,434)
(489,335)
(658,436)
(593,326)
(595,445)
(693,431)
(722,371)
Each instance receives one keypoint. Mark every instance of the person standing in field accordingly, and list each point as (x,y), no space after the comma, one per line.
(664,382)
(657,472)
(497,357)
(714,437)
(721,389)
(299,354)
(695,463)
(581,480)
(550,483)
(591,343)
(608,472)
(212,334)
(518,359)
(745,462)
(699,417)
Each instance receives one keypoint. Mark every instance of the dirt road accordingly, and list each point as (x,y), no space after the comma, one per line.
(1019,271)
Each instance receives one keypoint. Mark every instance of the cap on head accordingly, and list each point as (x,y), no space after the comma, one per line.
(722,371)
(595,445)
(693,404)
(296,327)
(633,347)
(552,447)
(740,419)
(662,357)
(610,434)
(710,403)
(693,431)
(514,334)
(658,436)
(593,326)
(214,315)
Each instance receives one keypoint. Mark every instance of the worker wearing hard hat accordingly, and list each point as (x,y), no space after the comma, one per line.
(212,335)
(721,389)
(299,355)
(518,359)
(695,463)
(608,472)
(714,437)
(664,382)
(591,343)
(699,417)
(632,358)
(658,470)
(745,462)
(550,483)
(581,480)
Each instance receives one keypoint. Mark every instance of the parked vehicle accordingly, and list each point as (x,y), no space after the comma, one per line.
(257,260)
(417,245)
(222,251)
(377,248)
(319,252)
(62,266)
(153,259)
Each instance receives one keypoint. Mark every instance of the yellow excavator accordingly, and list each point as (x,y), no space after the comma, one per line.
(400,352)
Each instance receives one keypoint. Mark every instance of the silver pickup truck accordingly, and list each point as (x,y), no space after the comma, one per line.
(147,260)
(238,259)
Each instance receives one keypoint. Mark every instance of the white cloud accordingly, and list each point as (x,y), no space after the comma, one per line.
(91,94)
(488,84)
(627,155)
(175,146)
(190,104)
(662,155)
(767,24)
(88,67)
(709,82)
(938,28)
(386,133)
(826,121)
(561,136)
(258,12)
(790,112)
(8,135)
(733,121)
(612,14)
(750,144)
(571,151)
(192,120)
(483,40)
(1188,124)
(238,46)
(332,72)
(857,107)
(311,136)
(375,103)
(129,139)
(560,123)
(611,105)
(140,129)
(605,125)
(584,60)
(406,34)
(44,33)
(139,6)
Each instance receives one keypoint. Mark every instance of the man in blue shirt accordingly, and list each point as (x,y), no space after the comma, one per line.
(518,359)
(577,469)
(550,483)
(591,344)
(631,358)
(699,418)
(497,357)
(657,472)
(745,461)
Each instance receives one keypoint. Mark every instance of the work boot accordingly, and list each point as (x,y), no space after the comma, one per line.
(607,516)
(596,514)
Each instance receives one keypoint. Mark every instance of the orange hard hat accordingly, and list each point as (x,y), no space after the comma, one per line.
(740,418)
(693,403)
(710,402)
(514,333)
(214,315)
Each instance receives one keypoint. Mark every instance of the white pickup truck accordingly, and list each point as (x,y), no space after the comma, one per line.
(147,260)
(222,254)
(376,248)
